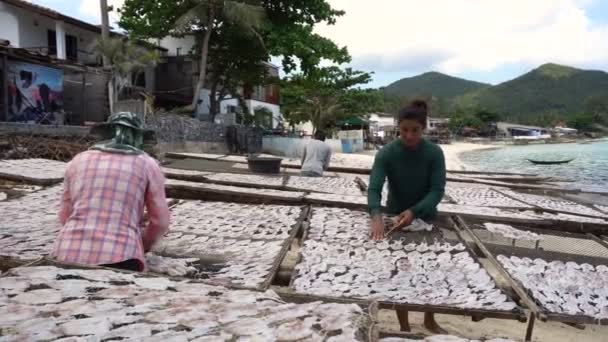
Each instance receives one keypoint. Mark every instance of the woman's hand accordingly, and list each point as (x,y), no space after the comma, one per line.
(376,231)
(404,219)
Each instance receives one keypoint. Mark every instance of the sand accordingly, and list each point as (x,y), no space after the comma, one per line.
(452,154)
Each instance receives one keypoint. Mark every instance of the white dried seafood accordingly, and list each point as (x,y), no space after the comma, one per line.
(335,199)
(603,208)
(555,203)
(416,277)
(36,169)
(562,287)
(481,197)
(127,306)
(512,232)
(457,209)
(235,190)
(232,220)
(177,267)
(245,262)
(340,260)
(334,185)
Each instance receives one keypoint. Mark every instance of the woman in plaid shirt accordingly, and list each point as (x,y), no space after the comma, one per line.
(105,191)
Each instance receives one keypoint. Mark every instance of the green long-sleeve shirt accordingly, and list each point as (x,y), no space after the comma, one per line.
(416,179)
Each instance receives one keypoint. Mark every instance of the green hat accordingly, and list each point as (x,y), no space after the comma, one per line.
(126,119)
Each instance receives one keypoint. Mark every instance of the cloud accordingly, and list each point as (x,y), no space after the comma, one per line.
(459,36)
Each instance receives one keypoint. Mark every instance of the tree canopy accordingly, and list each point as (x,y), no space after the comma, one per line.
(324,95)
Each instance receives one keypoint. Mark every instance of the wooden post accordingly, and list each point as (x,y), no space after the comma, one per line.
(530,328)
(5,87)
(105,28)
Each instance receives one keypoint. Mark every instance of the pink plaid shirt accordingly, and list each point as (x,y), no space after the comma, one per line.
(103,206)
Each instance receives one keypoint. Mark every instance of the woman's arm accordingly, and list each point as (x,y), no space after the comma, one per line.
(156,203)
(66,199)
(376,183)
(374,197)
(429,202)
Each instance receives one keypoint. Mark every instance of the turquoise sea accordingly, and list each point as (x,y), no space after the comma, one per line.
(589,169)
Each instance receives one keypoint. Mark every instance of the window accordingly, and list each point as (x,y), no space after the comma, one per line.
(71,47)
(51,42)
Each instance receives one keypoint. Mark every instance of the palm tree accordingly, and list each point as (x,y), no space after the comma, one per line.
(126,60)
(203,16)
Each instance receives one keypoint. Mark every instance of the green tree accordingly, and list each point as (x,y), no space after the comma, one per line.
(461,119)
(321,96)
(362,101)
(197,17)
(234,59)
(127,60)
(286,32)
(582,122)
(597,106)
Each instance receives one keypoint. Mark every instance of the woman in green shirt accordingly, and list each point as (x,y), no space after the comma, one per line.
(415,169)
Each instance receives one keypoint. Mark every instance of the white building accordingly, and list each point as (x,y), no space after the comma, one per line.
(42,30)
(48,32)
(379,123)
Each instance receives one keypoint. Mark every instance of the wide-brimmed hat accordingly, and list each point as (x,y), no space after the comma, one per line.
(126,119)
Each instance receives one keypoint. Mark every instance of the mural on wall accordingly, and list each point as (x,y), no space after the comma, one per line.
(35,93)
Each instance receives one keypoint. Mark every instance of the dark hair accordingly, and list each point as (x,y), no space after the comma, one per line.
(320,135)
(416,110)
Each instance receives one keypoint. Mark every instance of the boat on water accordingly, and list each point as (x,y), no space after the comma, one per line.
(549,162)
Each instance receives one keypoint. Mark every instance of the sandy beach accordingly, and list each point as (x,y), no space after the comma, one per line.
(452,154)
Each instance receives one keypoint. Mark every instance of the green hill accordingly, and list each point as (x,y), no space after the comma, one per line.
(431,84)
(545,94)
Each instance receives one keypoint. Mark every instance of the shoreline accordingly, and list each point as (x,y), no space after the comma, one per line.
(453,151)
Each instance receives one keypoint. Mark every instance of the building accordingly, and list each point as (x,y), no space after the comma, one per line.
(177,78)
(51,66)
(38,30)
(436,123)
(517,131)
(380,123)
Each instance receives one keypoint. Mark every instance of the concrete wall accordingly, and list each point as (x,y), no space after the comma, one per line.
(184,134)
(49,130)
(294,147)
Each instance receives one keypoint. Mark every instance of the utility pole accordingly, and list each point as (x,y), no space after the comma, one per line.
(105,27)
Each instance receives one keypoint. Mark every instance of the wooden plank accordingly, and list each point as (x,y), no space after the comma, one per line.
(552,211)
(295,231)
(523,295)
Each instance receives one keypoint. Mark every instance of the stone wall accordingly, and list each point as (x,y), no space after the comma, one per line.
(180,133)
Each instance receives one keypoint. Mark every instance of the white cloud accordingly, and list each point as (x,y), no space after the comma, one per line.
(457,36)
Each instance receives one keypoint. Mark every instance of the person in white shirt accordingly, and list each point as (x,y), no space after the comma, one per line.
(316,157)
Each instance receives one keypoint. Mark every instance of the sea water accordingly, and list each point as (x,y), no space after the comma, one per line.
(588,170)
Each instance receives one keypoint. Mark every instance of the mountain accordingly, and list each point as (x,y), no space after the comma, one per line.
(434,84)
(545,94)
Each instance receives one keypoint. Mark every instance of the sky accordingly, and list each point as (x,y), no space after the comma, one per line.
(489,41)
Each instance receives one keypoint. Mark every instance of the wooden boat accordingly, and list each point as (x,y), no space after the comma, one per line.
(549,162)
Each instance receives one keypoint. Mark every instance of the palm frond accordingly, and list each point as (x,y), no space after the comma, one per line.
(198,13)
(243,14)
